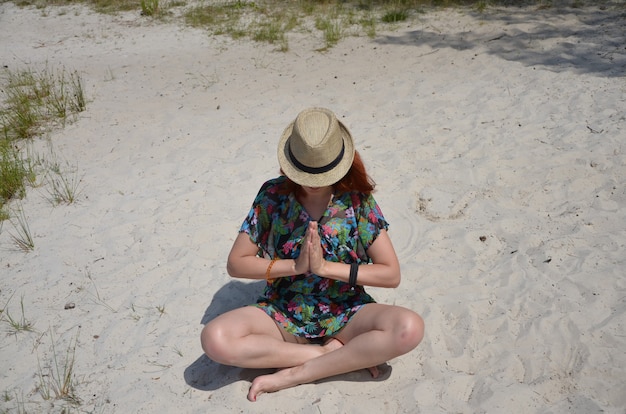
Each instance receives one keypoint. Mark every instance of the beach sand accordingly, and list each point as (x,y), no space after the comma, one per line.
(497,141)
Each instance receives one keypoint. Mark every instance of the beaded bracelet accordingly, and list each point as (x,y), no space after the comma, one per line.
(269,268)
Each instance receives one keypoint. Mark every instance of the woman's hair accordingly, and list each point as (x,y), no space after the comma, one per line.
(356,179)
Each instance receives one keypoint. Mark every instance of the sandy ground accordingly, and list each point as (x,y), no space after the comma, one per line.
(498,144)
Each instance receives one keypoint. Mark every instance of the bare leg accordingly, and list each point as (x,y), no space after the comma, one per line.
(248,338)
(376,334)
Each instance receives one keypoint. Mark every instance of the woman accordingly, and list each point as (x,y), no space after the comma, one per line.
(318,237)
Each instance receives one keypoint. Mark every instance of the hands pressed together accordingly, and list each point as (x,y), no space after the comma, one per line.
(311,257)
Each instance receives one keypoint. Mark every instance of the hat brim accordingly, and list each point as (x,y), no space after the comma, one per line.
(315,180)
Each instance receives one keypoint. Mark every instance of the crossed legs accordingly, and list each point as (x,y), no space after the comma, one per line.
(248,338)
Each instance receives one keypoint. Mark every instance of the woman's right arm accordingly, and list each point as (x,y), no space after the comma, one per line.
(244,263)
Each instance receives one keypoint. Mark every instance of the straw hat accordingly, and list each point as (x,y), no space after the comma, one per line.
(316,149)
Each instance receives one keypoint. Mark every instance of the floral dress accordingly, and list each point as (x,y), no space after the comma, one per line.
(308,305)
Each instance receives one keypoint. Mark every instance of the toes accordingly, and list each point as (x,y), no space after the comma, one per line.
(374,372)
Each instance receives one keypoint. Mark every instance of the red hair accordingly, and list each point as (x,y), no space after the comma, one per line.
(356,179)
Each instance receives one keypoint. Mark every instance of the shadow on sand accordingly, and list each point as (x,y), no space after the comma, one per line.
(204,374)
(594,44)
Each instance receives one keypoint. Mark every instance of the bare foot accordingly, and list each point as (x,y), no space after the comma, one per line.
(270,383)
(374,372)
(287,377)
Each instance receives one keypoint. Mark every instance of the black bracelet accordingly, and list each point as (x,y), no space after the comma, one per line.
(354,270)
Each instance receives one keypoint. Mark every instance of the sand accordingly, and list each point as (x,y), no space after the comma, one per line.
(497,143)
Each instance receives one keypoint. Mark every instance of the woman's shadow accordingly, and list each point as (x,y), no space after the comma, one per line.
(205,375)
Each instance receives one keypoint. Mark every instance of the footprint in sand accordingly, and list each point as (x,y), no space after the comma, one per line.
(435,204)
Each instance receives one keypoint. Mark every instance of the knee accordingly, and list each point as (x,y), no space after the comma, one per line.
(215,343)
(410,332)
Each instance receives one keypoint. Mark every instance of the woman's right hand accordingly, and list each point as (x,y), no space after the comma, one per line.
(302,263)
(310,250)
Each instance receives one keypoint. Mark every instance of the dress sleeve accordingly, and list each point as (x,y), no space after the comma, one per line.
(370,220)
(257,223)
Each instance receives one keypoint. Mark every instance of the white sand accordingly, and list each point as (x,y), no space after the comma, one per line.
(508,125)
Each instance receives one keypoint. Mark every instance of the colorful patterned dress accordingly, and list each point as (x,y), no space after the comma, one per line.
(308,305)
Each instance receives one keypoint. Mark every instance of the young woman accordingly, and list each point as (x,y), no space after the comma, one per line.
(318,237)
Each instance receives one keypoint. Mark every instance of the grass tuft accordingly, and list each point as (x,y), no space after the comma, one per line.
(19,324)
(13,172)
(331,28)
(96,296)
(150,7)
(395,16)
(23,238)
(63,184)
(57,378)
(161,309)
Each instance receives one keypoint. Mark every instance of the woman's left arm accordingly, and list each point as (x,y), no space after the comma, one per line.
(383,272)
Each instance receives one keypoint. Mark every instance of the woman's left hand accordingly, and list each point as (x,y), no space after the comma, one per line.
(316,255)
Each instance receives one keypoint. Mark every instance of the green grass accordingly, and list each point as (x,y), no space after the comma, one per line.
(272,21)
(222,18)
(33,102)
(394,16)
(274,30)
(63,188)
(22,238)
(16,324)
(63,184)
(57,379)
(150,7)
(331,28)
(13,172)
